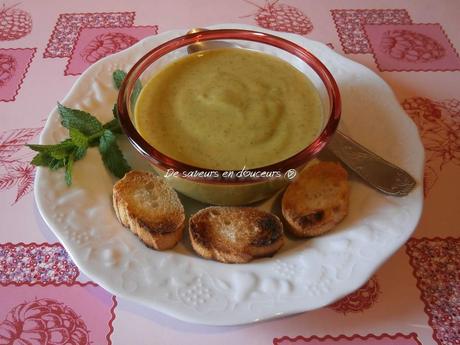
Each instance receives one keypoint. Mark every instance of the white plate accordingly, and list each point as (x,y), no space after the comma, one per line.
(304,275)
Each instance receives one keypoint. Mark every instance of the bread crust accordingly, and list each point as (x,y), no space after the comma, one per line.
(235,234)
(146,205)
(317,200)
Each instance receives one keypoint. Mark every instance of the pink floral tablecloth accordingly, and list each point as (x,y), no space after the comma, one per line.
(414,298)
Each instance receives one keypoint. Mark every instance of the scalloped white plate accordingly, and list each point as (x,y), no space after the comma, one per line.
(304,275)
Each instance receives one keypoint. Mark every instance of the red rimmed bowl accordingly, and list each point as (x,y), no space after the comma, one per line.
(242,188)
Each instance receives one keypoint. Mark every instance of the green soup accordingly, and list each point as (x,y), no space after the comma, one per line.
(229,108)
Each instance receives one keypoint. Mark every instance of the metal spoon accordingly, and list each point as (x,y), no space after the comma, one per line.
(373,169)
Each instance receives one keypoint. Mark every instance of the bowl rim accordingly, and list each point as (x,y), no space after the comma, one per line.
(164,162)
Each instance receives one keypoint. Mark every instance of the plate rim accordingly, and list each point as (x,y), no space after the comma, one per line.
(179,314)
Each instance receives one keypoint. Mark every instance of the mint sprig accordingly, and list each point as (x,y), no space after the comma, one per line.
(85,131)
(111,154)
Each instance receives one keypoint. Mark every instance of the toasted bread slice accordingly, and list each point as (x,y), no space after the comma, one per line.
(317,200)
(145,204)
(235,234)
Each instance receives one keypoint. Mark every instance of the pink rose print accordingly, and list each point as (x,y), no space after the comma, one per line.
(7,68)
(411,46)
(360,300)
(106,44)
(43,322)
(439,127)
(15,23)
(281,17)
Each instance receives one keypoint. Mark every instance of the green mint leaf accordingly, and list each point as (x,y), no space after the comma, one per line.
(67,143)
(68,170)
(135,94)
(56,164)
(61,151)
(78,138)
(118,76)
(56,156)
(42,159)
(113,126)
(59,154)
(115,111)
(79,153)
(111,155)
(78,119)
(56,151)
(39,148)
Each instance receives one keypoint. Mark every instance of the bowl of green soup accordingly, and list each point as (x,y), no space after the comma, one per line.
(231,122)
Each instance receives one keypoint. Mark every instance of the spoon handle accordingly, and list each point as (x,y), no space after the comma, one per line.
(372,168)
